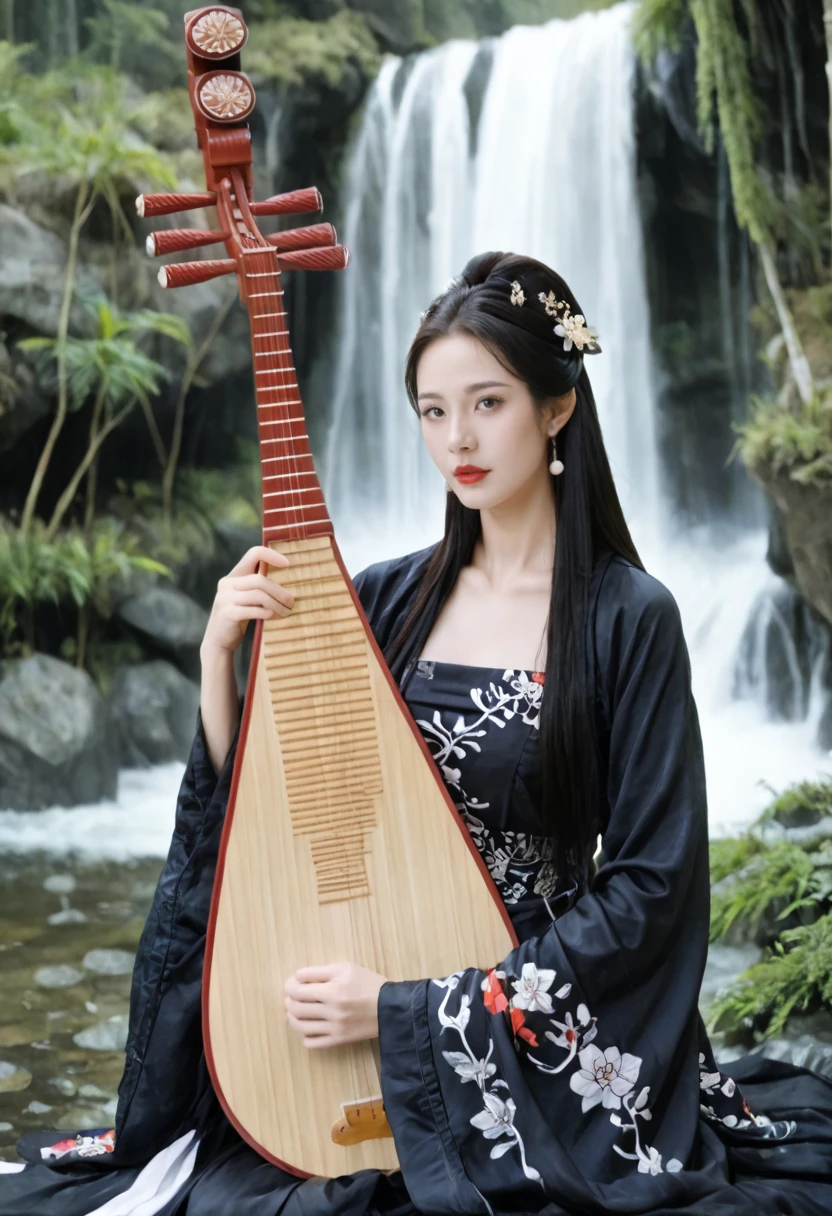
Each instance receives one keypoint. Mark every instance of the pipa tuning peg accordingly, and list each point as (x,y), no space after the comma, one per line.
(293,203)
(216,33)
(167,204)
(184,274)
(328,258)
(172,240)
(303,238)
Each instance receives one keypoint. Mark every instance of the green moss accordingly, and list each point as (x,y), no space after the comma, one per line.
(797,975)
(776,439)
(295,53)
(800,804)
(659,25)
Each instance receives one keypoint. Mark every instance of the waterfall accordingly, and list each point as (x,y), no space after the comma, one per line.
(546,168)
(526,143)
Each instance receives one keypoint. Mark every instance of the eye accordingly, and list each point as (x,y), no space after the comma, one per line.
(425,412)
(494,400)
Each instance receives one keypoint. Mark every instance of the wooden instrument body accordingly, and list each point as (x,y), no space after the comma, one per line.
(341,842)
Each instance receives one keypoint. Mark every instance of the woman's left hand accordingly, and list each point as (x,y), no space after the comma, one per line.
(333,1005)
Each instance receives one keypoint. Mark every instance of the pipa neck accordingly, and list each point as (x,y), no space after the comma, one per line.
(293,502)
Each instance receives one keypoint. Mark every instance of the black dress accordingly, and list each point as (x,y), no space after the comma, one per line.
(574,1076)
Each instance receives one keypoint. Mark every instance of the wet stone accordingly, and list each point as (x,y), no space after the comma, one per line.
(92,1091)
(67,916)
(104,1036)
(109,962)
(64,1086)
(59,976)
(37,1108)
(60,884)
(6,1127)
(13,1077)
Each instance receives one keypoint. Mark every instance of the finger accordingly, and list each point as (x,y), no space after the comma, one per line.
(264,585)
(309,994)
(316,975)
(309,1029)
(324,1040)
(250,560)
(264,599)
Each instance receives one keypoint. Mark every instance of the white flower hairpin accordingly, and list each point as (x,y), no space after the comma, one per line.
(572,329)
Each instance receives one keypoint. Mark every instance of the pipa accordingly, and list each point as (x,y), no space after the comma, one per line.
(341,841)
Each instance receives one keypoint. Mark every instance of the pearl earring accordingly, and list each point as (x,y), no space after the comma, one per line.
(556,466)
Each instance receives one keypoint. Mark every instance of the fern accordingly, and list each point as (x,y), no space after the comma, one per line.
(797,975)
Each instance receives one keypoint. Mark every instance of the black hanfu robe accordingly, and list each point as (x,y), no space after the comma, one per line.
(572,1077)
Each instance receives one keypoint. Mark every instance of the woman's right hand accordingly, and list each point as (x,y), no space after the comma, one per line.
(243,595)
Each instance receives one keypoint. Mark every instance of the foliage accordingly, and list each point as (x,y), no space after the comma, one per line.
(73,568)
(295,53)
(757,875)
(731,853)
(776,438)
(773,876)
(797,975)
(804,801)
(111,359)
(659,25)
(723,85)
(123,24)
(204,498)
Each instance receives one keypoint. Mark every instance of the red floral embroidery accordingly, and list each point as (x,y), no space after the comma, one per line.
(494,996)
(520,1029)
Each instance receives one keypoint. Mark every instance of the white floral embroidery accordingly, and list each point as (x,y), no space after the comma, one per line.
(533,989)
(496,1119)
(520,863)
(604,1076)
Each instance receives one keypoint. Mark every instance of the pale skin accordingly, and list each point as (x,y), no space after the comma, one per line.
(474,412)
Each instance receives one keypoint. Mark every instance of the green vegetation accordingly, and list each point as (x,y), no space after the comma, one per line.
(760,879)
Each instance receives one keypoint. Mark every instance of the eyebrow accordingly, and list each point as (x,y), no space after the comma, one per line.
(471,388)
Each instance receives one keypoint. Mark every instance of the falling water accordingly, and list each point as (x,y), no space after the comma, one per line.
(526,143)
(548,170)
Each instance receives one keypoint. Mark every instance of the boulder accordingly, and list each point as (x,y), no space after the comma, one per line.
(32,266)
(57,746)
(154,709)
(169,620)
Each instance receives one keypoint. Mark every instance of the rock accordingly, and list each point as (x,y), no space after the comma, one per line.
(724,964)
(169,620)
(807,521)
(64,1086)
(24,401)
(59,976)
(92,1091)
(154,708)
(67,916)
(804,1050)
(57,746)
(6,1127)
(13,1077)
(109,962)
(60,884)
(32,264)
(37,1108)
(104,1036)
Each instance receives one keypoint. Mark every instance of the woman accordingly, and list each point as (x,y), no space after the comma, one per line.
(550,676)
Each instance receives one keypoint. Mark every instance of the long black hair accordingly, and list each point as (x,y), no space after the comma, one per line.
(587,510)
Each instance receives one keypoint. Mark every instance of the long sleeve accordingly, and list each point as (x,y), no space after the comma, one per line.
(553,1070)
(164,1044)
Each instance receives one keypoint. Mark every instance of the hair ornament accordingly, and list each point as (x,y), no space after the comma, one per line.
(573,330)
(517,294)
